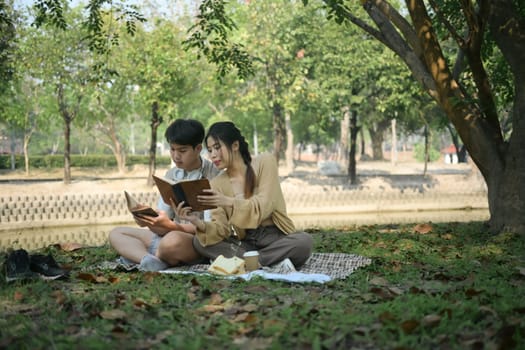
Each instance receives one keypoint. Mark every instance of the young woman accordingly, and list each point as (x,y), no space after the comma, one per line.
(251,211)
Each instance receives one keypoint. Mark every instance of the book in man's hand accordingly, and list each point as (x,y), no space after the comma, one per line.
(138,209)
(183,191)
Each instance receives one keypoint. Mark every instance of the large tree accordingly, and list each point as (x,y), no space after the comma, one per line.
(470,107)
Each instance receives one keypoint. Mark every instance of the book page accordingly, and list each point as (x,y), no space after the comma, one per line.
(138,209)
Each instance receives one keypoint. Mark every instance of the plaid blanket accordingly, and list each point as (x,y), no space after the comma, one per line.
(335,265)
(331,265)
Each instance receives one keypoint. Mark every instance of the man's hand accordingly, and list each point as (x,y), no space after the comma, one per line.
(161,224)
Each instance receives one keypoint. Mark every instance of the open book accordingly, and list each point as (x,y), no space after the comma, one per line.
(138,209)
(184,190)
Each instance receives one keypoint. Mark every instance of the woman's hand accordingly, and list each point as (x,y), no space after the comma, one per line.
(187,214)
(215,198)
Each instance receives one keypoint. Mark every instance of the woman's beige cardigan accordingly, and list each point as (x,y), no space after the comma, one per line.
(266,202)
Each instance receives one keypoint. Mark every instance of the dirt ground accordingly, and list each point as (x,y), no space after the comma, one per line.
(372,176)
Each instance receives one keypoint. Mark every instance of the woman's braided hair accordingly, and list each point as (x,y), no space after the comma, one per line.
(228,133)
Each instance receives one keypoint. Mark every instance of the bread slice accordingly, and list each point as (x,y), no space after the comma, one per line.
(227,266)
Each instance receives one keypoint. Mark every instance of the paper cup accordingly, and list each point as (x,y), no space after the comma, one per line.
(251,260)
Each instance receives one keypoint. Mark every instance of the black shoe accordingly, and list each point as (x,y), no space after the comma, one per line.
(46,266)
(17,266)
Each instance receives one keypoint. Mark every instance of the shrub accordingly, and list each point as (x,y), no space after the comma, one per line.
(77,160)
(419,153)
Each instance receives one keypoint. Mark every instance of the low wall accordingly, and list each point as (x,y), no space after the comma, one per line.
(27,211)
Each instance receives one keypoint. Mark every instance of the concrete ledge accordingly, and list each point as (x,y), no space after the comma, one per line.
(41,211)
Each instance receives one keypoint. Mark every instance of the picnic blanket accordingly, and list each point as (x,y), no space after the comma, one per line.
(320,268)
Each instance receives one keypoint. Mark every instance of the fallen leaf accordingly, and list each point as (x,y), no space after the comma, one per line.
(255,289)
(140,303)
(245,330)
(395,290)
(149,276)
(114,279)
(250,307)
(114,314)
(241,317)
(423,228)
(59,296)
(382,293)
(409,326)
(273,324)
(91,277)
(70,246)
(491,311)
(386,317)
(212,308)
(191,296)
(431,320)
(215,299)
(362,331)
(379,281)
(18,296)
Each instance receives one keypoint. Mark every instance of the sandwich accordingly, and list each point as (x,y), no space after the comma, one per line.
(227,266)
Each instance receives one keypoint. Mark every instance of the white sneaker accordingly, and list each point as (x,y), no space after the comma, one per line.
(151,263)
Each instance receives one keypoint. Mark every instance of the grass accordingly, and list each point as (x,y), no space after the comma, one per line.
(453,287)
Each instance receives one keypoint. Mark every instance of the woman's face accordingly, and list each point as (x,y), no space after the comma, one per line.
(218,152)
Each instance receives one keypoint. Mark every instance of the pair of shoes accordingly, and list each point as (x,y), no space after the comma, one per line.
(151,263)
(17,266)
(47,267)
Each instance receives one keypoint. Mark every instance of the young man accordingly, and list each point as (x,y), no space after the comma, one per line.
(162,241)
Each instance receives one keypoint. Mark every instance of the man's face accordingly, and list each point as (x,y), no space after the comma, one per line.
(185,156)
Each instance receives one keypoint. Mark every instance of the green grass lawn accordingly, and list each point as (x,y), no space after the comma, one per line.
(453,287)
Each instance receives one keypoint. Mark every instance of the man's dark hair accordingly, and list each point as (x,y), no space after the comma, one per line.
(185,132)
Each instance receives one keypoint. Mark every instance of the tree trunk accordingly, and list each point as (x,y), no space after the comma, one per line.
(120,157)
(362,133)
(354,129)
(12,148)
(343,141)
(377,135)
(425,151)
(506,187)
(67,150)
(289,144)
(68,113)
(393,149)
(26,153)
(278,130)
(461,151)
(156,120)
